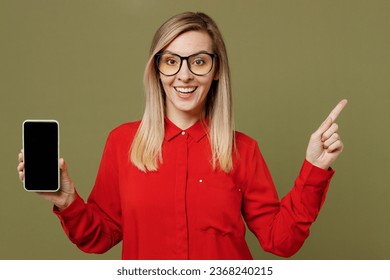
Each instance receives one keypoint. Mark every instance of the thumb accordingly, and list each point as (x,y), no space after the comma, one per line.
(63,166)
(66,181)
(64,169)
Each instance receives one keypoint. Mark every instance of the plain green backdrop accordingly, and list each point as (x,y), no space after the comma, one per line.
(82,62)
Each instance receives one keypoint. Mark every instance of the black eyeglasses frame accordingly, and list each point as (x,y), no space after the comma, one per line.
(158,56)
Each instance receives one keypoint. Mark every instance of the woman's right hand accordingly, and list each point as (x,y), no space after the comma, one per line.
(65,195)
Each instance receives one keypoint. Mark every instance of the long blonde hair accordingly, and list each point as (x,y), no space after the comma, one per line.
(145,152)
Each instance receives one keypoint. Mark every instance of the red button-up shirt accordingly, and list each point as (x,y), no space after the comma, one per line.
(186,210)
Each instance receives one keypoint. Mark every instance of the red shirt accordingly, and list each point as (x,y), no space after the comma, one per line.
(185,210)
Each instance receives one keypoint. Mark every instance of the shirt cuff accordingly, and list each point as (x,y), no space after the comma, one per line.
(72,210)
(314,175)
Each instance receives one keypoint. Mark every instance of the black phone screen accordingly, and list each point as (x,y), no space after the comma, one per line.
(41,153)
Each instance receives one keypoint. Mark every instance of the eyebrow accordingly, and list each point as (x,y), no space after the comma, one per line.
(199,52)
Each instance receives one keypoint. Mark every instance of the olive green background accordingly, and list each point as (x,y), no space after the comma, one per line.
(82,62)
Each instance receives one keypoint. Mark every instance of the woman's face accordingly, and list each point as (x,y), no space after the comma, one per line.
(186,92)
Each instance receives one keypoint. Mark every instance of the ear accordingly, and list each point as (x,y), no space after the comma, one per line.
(217,72)
(216,76)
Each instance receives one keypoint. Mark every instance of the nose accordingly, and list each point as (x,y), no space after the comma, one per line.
(184,73)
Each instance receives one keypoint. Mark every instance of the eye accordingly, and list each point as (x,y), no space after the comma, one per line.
(170,61)
(199,61)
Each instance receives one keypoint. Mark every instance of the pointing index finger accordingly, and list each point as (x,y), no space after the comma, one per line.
(337,110)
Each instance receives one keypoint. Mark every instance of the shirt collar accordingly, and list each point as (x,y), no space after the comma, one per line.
(197,131)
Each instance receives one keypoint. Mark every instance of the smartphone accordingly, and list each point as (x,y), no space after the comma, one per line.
(41,154)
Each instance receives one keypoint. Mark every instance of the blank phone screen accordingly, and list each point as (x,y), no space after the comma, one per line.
(40,145)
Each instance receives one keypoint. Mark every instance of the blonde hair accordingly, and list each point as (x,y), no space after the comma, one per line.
(145,152)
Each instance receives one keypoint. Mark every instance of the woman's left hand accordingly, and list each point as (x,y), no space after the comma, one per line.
(325,144)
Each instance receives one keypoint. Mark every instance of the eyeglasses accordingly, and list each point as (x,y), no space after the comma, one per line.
(200,64)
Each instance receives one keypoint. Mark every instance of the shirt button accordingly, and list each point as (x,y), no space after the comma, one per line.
(183,133)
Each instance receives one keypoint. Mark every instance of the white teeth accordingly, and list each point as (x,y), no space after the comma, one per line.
(185,90)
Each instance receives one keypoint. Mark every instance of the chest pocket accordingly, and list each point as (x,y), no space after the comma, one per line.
(215,202)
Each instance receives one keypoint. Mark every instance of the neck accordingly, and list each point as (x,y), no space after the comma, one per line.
(184,121)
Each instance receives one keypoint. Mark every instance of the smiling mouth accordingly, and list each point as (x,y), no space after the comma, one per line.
(185,90)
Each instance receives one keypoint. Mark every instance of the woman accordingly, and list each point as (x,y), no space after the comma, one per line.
(181,183)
